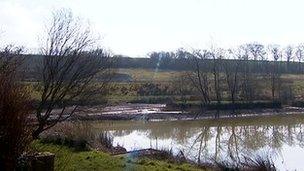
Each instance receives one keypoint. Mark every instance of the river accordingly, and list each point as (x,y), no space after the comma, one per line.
(280,138)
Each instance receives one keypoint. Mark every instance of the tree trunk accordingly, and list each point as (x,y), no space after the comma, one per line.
(37,132)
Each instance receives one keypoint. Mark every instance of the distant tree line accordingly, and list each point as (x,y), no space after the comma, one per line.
(256,55)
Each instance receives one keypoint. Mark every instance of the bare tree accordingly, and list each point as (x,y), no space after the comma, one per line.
(252,51)
(276,54)
(199,75)
(288,56)
(256,50)
(68,69)
(248,79)
(299,55)
(182,88)
(232,71)
(217,55)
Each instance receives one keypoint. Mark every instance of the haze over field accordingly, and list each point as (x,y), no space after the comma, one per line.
(136,27)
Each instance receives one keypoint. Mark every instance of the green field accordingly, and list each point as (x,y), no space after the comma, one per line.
(139,75)
(149,86)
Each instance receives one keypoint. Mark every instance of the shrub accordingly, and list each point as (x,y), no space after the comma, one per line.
(149,89)
(247,164)
(286,94)
(165,154)
(298,104)
(105,140)
(15,134)
(77,135)
(259,163)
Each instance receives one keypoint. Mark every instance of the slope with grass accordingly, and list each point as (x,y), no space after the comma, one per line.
(70,159)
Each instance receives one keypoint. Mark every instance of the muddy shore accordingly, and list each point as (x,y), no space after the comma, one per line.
(161,112)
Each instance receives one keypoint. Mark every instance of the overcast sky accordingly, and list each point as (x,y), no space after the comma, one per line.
(136,27)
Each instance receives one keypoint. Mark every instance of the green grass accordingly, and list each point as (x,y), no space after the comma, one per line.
(69,159)
(150,74)
(122,92)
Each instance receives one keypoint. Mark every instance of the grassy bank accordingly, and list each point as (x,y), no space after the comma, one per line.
(70,159)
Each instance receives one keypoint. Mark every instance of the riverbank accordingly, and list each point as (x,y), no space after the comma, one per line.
(70,159)
(162,112)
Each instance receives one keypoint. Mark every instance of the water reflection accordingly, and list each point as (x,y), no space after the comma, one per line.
(279,136)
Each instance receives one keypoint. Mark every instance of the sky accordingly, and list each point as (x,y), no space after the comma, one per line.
(137,27)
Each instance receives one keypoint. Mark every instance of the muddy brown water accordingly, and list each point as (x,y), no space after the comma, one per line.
(279,137)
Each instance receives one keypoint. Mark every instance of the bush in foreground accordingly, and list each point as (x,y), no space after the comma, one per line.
(14,112)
